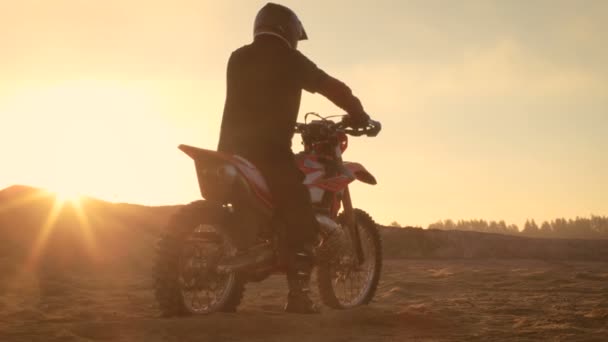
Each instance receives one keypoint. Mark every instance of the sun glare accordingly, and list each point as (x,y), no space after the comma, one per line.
(62,198)
(67,197)
(104,139)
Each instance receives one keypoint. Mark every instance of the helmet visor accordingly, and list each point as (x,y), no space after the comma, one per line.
(303,36)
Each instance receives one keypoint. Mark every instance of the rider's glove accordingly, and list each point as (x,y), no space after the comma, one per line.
(358,120)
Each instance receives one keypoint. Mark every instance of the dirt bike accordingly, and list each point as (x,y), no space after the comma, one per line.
(236,218)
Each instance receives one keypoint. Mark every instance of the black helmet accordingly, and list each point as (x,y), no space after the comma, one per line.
(278,20)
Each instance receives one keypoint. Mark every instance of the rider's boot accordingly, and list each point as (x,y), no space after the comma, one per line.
(298,280)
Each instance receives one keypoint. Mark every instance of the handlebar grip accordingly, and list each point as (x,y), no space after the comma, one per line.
(375,129)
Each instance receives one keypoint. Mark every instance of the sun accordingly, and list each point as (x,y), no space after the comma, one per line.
(90,129)
(67,196)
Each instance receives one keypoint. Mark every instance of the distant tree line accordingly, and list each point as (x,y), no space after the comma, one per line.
(595,227)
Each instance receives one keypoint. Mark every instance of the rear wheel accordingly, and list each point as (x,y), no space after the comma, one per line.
(186,280)
(342,282)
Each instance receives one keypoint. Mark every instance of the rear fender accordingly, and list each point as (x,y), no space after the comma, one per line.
(222,178)
(214,172)
(360,173)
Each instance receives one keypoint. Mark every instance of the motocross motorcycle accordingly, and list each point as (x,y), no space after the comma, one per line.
(212,248)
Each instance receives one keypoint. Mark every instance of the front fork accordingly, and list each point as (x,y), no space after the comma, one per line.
(349,214)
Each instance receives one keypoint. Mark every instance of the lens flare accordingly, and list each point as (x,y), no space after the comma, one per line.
(64,202)
(67,197)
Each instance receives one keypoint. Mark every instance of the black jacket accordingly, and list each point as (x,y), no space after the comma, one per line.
(264,87)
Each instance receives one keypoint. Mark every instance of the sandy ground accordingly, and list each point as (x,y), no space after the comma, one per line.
(418,300)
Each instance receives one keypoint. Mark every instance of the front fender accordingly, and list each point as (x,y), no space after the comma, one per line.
(360,173)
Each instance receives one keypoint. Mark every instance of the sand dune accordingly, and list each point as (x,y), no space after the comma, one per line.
(523,300)
(436,286)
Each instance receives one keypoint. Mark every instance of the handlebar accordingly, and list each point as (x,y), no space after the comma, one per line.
(371,129)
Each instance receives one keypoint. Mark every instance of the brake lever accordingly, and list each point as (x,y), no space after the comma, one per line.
(354,132)
(371,130)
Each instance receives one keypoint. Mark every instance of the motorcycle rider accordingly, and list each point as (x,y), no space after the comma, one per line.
(264,87)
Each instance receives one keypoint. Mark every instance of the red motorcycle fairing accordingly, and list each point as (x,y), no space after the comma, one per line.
(314,170)
(212,175)
(209,166)
(360,173)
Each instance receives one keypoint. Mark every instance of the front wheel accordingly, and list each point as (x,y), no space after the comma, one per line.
(343,283)
(186,280)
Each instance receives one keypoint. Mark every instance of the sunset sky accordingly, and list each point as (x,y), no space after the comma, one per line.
(490,109)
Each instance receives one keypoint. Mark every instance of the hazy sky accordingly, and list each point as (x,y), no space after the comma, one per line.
(490,109)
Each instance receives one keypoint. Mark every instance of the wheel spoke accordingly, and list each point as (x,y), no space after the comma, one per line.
(202,289)
(351,282)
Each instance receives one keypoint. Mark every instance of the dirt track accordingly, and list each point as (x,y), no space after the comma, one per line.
(417,300)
